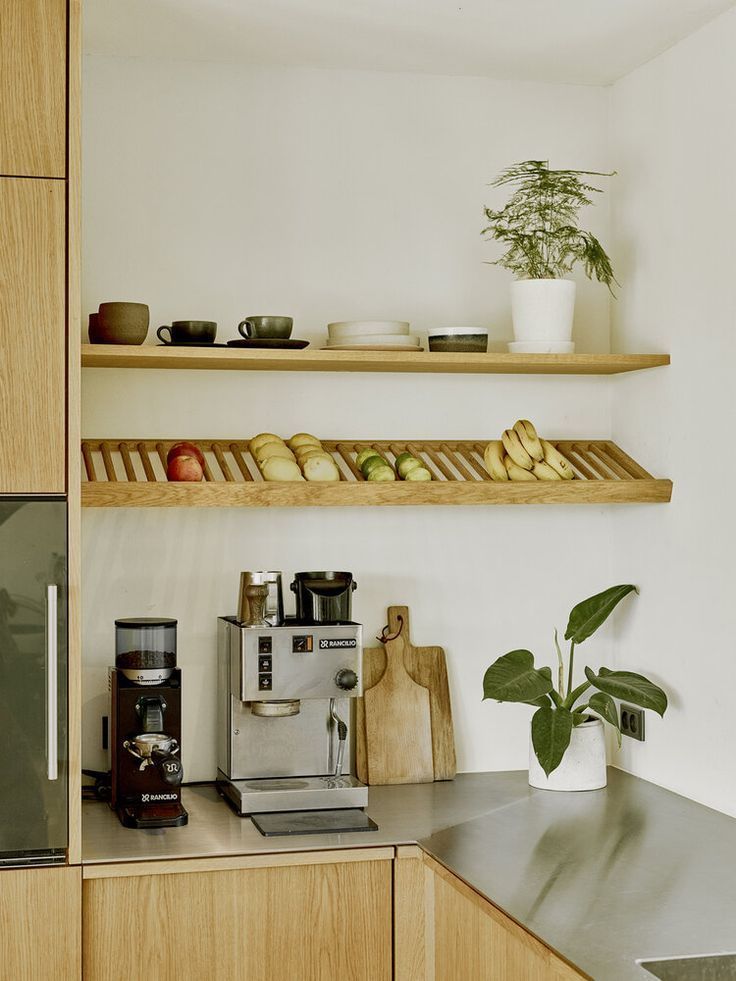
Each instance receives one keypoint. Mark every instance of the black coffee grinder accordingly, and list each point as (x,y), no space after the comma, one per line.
(145,724)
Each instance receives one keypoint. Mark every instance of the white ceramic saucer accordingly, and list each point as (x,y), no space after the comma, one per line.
(541,347)
(386,340)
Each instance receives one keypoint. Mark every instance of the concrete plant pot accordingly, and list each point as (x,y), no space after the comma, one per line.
(542,310)
(583,766)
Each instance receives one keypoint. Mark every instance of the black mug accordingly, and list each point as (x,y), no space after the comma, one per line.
(188,332)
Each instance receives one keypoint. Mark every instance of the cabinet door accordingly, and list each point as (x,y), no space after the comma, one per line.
(33,678)
(41,924)
(445,931)
(325,921)
(33,88)
(32,336)
(474,941)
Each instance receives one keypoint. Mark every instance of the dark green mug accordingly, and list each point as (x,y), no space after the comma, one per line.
(188,332)
(266,327)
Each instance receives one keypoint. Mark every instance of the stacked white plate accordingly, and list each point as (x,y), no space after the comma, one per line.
(371,335)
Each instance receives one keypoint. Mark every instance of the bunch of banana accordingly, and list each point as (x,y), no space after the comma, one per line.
(521,455)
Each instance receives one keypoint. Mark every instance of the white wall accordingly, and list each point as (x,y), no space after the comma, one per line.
(215,192)
(674,144)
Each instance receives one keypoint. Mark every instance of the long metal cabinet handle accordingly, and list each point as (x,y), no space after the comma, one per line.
(52,682)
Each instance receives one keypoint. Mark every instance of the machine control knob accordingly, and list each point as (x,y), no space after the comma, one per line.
(170,768)
(346,679)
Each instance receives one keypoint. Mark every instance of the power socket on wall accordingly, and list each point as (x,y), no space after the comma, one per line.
(632,722)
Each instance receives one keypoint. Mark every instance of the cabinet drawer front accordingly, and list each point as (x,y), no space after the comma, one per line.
(33,88)
(32,336)
(328,922)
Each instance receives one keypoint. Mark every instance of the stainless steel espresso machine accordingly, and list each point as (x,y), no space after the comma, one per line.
(286,695)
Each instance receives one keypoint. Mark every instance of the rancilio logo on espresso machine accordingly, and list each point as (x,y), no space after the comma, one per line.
(330,643)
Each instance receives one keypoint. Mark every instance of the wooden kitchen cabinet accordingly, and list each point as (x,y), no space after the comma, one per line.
(32,336)
(33,37)
(40,924)
(445,931)
(319,916)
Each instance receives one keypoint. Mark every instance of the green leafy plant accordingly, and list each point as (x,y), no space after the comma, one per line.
(514,678)
(539,224)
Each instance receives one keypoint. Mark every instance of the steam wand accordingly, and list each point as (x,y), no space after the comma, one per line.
(342,735)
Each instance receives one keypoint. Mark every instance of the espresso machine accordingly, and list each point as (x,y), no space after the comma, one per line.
(145,725)
(286,694)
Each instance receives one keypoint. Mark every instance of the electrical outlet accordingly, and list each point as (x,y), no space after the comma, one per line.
(632,722)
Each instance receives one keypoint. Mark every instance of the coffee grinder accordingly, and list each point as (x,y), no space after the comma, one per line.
(145,724)
(286,697)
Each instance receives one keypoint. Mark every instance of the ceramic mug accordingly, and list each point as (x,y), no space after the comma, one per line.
(188,332)
(122,323)
(266,327)
(95,334)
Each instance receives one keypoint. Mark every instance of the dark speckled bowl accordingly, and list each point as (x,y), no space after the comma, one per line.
(458,340)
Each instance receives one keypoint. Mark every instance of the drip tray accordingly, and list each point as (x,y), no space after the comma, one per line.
(340,821)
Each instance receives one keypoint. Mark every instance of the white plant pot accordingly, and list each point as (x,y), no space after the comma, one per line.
(542,309)
(583,766)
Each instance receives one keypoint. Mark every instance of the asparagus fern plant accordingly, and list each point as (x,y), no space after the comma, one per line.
(539,224)
(562,707)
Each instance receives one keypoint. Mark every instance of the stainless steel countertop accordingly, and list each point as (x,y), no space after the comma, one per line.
(604,878)
(403,815)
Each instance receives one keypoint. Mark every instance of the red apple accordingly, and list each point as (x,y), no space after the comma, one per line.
(184,468)
(185,449)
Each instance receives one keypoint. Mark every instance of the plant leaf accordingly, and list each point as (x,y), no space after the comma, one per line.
(560,668)
(539,702)
(538,226)
(605,706)
(574,695)
(513,678)
(551,731)
(586,617)
(630,687)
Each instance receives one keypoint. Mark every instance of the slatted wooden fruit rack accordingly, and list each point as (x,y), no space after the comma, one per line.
(132,473)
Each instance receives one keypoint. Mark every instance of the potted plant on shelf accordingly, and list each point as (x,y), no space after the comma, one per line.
(539,228)
(567,747)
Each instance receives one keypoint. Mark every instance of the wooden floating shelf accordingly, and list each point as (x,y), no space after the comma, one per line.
(315,359)
(132,473)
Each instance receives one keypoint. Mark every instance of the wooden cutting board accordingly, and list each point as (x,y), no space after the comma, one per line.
(398,721)
(426,666)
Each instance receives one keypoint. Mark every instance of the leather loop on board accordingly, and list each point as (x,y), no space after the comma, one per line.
(385,637)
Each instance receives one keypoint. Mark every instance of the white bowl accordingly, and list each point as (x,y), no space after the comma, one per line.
(350,328)
(542,347)
(387,340)
(456,331)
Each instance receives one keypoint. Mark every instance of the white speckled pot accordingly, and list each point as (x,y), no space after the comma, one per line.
(583,766)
